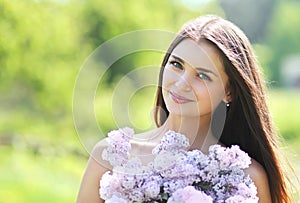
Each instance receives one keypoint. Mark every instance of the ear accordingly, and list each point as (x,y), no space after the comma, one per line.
(227,98)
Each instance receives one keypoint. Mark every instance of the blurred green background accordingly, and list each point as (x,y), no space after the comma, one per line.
(43,44)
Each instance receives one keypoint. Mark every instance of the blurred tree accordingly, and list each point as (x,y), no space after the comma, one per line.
(43,44)
(39,59)
(272,23)
(283,36)
(251,16)
(101,21)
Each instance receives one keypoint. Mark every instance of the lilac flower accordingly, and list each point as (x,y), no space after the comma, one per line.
(189,195)
(109,185)
(115,199)
(165,160)
(175,175)
(119,146)
(172,141)
(152,188)
(240,199)
(233,156)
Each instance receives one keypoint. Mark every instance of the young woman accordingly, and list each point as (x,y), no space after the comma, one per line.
(210,89)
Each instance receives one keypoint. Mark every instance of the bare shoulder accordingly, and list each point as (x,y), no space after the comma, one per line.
(96,153)
(96,167)
(256,171)
(259,176)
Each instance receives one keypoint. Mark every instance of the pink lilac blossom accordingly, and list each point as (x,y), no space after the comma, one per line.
(119,146)
(175,172)
(115,199)
(189,195)
(172,141)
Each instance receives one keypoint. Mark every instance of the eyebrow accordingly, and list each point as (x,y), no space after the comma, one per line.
(198,68)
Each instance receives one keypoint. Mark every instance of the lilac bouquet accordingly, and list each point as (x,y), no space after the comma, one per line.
(176,175)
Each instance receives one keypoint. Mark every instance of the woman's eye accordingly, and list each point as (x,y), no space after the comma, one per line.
(176,64)
(203,76)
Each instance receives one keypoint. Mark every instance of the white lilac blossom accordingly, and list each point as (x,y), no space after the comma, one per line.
(115,199)
(176,174)
(172,141)
(189,195)
(119,146)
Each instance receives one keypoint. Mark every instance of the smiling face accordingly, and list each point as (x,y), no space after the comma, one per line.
(194,80)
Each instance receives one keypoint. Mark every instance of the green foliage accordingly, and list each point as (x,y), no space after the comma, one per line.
(101,23)
(35,178)
(242,15)
(286,113)
(283,36)
(38,58)
(43,44)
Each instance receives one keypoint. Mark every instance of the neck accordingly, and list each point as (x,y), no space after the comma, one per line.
(196,129)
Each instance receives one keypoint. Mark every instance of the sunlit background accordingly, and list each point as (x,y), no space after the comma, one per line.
(43,44)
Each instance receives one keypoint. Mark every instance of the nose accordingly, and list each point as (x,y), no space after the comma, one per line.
(183,84)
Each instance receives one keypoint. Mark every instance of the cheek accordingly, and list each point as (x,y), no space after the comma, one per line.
(169,77)
(209,95)
(217,94)
(202,94)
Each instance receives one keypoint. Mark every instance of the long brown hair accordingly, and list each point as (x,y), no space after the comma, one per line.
(248,122)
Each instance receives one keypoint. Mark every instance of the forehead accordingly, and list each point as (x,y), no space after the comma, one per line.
(201,54)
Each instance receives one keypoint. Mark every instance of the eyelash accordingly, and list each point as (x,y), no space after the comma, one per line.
(206,77)
(173,63)
(178,65)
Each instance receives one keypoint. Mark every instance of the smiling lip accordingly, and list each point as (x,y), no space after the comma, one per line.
(179,99)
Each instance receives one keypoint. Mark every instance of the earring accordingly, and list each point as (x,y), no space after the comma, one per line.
(228,105)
